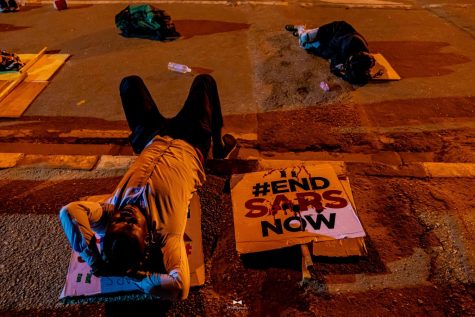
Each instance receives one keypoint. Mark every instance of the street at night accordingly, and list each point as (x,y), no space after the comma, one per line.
(406,146)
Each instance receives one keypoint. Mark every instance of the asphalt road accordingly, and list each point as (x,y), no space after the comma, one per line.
(420,229)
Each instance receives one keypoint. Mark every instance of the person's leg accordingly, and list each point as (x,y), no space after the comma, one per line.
(201,120)
(13,5)
(3,6)
(143,117)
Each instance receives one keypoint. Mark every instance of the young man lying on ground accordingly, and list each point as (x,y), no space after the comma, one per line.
(339,42)
(146,216)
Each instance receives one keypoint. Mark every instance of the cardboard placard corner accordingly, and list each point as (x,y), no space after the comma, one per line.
(80,282)
(294,205)
(382,70)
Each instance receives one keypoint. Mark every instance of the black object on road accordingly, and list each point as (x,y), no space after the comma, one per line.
(146,21)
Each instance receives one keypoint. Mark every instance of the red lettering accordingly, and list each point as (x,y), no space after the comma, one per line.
(340,202)
(256,210)
(278,201)
(304,203)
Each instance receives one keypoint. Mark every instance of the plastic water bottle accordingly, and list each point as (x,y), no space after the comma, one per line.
(179,68)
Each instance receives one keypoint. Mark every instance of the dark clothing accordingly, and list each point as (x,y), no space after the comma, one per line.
(338,41)
(11,5)
(198,120)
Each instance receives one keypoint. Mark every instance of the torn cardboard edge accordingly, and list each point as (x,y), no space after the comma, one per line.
(81,283)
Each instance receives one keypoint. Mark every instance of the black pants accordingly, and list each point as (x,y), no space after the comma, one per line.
(11,3)
(198,121)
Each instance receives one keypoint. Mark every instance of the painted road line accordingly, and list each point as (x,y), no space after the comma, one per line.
(75,162)
(245,136)
(377,4)
(434,169)
(96,134)
(419,128)
(8,160)
(16,133)
(108,162)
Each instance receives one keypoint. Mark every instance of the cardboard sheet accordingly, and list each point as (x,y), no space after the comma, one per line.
(17,101)
(42,70)
(80,282)
(382,70)
(284,207)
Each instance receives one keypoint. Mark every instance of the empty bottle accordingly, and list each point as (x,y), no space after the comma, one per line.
(179,68)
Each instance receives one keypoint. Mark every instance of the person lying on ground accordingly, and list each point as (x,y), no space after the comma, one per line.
(339,42)
(146,215)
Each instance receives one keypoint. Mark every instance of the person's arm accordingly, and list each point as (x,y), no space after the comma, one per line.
(80,221)
(174,285)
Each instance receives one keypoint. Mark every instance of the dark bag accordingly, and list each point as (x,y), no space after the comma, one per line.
(146,21)
(10,61)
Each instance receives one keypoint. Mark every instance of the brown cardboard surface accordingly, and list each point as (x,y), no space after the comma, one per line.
(42,70)
(3,84)
(385,70)
(264,221)
(46,67)
(17,101)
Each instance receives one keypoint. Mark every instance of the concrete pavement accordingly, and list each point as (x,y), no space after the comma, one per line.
(407,147)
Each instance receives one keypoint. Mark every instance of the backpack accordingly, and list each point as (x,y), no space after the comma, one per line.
(146,21)
(10,61)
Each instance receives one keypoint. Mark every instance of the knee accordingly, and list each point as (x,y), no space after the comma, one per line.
(205,79)
(128,82)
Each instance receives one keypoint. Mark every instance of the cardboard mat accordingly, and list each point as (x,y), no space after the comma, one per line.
(19,89)
(80,282)
(382,70)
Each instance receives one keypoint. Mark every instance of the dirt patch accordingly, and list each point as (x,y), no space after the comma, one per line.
(287,77)
(312,128)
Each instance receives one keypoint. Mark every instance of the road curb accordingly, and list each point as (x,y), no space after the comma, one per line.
(354,162)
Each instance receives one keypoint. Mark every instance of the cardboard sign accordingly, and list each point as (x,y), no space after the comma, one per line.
(382,70)
(342,247)
(80,282)
(284,207)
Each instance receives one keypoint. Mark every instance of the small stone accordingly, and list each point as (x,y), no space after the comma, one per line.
(420,301)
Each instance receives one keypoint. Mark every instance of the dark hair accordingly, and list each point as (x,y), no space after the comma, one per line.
(121,251)
(358,68)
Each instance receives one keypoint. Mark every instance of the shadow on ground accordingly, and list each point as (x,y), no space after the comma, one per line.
(419,58)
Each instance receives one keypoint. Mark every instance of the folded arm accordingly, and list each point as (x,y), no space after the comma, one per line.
(80,221)
(175,284)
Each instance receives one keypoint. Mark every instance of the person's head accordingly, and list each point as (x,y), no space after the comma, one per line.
(125,239)
(358,68)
